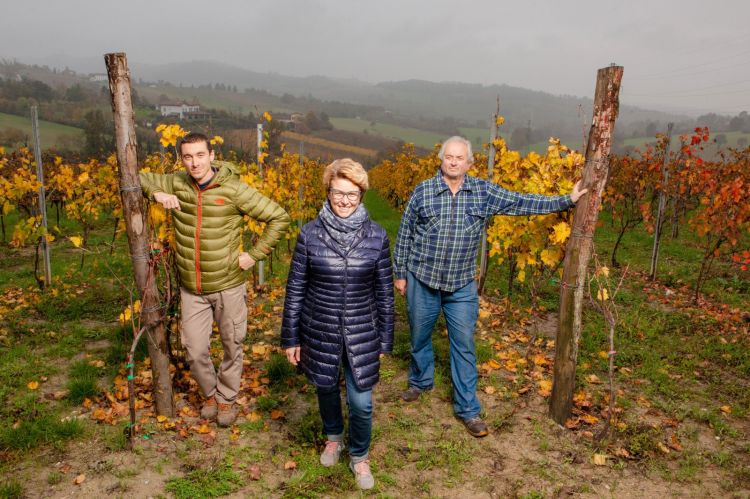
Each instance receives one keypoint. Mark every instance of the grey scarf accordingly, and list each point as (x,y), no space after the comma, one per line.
(343,230)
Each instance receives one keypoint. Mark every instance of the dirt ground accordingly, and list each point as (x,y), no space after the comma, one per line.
(418,450)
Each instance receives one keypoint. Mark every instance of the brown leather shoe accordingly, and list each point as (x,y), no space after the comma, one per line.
(476,427)
(208,411)
(226,415)
(411,394)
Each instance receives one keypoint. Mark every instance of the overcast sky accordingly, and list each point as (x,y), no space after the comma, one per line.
(678,55)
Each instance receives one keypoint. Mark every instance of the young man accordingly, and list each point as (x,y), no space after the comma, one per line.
(435,262)
(209,201)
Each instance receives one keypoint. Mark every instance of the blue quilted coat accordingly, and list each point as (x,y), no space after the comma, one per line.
(340,303)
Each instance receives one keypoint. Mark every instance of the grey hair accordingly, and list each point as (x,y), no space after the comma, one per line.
(457,138)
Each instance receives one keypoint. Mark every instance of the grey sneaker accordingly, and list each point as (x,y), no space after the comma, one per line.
(208,411)
(226,415)
(362,474)
(330,455)
(411,394)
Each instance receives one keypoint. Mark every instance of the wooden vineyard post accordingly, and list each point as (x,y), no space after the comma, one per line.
(42,198)
(261,265)
(137,230)
(484,253)
(579,247)
(662,204)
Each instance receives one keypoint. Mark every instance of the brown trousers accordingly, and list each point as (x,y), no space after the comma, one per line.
(229,309)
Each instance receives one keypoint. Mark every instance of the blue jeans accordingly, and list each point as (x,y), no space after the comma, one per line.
(360,415)
(461,309)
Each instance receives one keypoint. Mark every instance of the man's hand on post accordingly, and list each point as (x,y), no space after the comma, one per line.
(577,192)
(292,355)
(400,286)
(168,201)
(246,261)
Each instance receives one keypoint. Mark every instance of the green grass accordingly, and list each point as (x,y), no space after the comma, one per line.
(42,429)
(11,490)
(381,212)
(214,481)
(280,370)
(311,479)
(82,381)
(420,138)
(51,134)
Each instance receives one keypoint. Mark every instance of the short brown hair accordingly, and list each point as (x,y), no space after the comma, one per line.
(348,169)
(194,137)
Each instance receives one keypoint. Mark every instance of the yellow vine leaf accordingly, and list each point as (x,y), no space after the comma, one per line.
(561,233)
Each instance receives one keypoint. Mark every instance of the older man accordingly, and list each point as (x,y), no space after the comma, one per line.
(210,200)
(435,264)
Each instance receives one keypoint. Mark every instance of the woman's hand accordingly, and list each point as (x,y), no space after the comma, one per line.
(292,355)
(400,286)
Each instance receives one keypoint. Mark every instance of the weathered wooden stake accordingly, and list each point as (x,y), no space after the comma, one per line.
(484,252)
(42,199)
(261,265)
(137,230)
(579,247)
(662,204)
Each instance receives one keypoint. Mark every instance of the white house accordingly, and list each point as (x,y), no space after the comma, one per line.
(180,109)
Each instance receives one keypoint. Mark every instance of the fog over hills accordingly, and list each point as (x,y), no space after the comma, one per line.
(466,102)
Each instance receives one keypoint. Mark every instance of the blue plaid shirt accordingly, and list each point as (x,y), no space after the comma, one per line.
(439,236)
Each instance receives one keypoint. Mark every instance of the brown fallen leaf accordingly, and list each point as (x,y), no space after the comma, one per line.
(202,429)
(589,419)
(545,387)
(663,448)
(726,409)
(290,465)
(254,472)
(674,443)
(599,459)
(277,414)
(489,389)
(572,423)
(622,452)
(593,379)
(79,479)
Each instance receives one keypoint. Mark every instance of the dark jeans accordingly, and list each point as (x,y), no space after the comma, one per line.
(360,415)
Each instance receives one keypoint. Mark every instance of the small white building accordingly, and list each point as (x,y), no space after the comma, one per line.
(179,109)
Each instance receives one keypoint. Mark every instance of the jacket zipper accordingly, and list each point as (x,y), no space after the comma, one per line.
(198,242)
(198,235)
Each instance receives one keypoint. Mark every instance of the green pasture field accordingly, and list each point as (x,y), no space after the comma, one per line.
(52,135)
(682,377)
(420,138)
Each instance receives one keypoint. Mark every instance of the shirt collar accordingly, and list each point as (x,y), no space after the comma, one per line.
(441,186)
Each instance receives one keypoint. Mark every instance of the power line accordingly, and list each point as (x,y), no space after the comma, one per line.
(673,72)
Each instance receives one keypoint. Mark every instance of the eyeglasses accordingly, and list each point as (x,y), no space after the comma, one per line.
(338,195)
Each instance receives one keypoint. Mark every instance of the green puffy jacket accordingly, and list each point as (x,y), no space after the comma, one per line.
(208,226)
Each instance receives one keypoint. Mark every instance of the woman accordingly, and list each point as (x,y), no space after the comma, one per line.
(338,313)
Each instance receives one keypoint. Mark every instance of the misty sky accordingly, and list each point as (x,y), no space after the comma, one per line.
(678,55)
